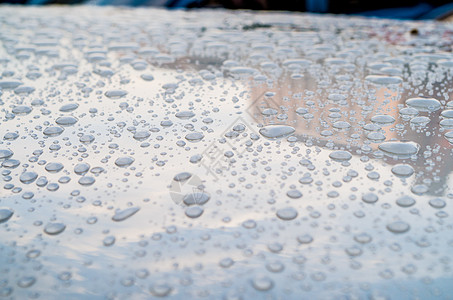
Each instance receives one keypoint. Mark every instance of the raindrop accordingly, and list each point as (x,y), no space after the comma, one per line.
(287,213)
(69,107)
(398,227)
(28,177)
(122,215)
(195,136)
(262,283)
(185,115)
(340,155)
(5,214)
(160,289)
(5,153)
(66,121)
(196,198)
(194,211)
(402,170)
(276,131)
(424,104)
(54,167)
(181,177)
(115,94)
(54,228)
(53,131)
(22,110)
(370,198)
(124,161)
(437,203)
(405,201)
(400,149)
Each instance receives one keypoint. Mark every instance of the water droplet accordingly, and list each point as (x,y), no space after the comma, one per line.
(160,289)
(384,80)
(181,177)
(424,104)
(196,198)
(122,215)
(398,227)
(26,281)
(194,211)
(383,119)
(142,135)
(402,170)
(86,180)
(81,168)
(363,238)
(54,228)
(294,194)
(437,203)
(115,94)
(5,153)
(66,121)
(226,262)
(9,84)
(370,198)
(195,136)
(405,201)
(340,155)
(287,213)
(124,161)
(5,214)
(53,131)
(341,125)
(276,131)
(185,114)
(305,239)
(69,107)
(21,110)
(86,139)
(262,283)
(28,177)
(54,167)
(109,241)
(400,149)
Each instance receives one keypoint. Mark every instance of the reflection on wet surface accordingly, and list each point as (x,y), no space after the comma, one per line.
(214,154)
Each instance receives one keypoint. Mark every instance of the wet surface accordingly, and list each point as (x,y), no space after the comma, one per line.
(212,154)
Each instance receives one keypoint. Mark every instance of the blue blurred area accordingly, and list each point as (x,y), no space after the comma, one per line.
(422,11)
(402,9)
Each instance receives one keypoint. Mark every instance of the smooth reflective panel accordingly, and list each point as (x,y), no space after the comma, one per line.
(223,155)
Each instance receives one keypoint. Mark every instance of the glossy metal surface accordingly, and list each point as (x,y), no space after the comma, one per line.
(215,154)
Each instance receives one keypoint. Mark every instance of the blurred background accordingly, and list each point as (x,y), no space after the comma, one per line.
(399,9)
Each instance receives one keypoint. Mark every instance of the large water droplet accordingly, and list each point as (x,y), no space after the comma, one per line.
(402,170)
(5,214)
(115,94)
(28,177)
(194,211)
(340,155)
(66,121)
(54,228)
(400,149)
(276,131)
(122,215)
(5,153)
(287,213)
(384,80)
(196,198)
(405,201)
(124,161)
(424,104)
(398,227)
(53,131)
(195,136)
